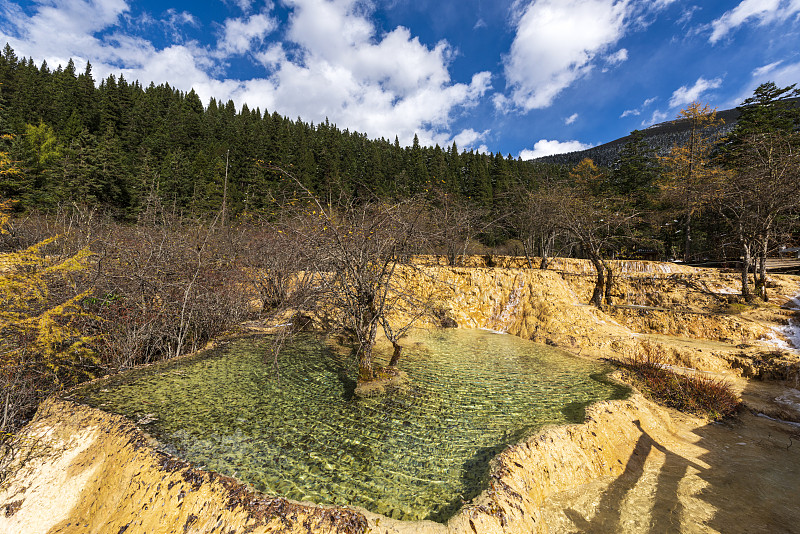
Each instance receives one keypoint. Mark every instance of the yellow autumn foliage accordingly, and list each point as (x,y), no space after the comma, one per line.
(39,330)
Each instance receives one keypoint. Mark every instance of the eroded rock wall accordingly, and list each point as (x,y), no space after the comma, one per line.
(561,458)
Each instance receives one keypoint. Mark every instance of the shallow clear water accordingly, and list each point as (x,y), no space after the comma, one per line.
(411,455)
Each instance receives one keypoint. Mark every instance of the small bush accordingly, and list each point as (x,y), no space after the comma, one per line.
(696,394)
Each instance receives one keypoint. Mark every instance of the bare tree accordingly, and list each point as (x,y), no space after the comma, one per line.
(454,224)
(361,284)
(533,217)
(166,286)
(598,221)
(757,194)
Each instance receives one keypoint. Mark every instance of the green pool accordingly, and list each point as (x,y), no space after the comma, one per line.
(414,454)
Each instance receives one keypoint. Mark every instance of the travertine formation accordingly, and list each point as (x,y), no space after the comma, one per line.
(92,472)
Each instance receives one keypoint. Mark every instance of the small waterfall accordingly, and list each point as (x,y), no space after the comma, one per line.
(502,320)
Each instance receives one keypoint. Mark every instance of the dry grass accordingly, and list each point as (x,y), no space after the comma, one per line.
(691,393)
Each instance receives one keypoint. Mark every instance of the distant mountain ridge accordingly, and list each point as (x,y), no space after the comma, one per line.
(661,137)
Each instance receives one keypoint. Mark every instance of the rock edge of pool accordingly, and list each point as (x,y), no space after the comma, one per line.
(98,472)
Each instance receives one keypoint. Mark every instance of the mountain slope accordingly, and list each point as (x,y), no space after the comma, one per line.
(661,137)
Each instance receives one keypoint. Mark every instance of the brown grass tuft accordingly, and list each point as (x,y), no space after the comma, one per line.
(691,393)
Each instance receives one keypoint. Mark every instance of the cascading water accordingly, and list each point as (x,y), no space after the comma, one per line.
(501,319)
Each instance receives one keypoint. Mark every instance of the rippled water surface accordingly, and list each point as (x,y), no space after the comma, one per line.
(412,454)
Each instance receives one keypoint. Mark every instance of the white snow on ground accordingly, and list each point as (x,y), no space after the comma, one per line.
(791,332)
(725,290)
(795,303)
(775,338)
(779,420)
(790,399)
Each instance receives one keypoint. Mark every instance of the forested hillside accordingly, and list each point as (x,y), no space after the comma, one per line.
(660,137)
(115,143)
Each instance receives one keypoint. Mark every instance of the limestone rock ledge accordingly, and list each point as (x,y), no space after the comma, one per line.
(97,473)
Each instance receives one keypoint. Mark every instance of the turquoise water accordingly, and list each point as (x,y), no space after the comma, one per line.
(413,454)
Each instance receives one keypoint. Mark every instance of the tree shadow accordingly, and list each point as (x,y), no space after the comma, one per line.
(753,482)
(474,479)
(666,503)
(335,365)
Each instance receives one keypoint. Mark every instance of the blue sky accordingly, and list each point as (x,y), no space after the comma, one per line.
(523,77)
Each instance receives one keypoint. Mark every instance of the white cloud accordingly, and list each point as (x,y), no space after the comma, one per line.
(620,56)
(781,74)
(559,41)
(571,119)
(384,87)
(784,76)
(332,62)
(658,116)
(758,11)
(766,69)
(686,16)
(244,5)
(555,44)
(467,138)
(638,111)
(544,147)
(59,28)
(239,34)
(685,95)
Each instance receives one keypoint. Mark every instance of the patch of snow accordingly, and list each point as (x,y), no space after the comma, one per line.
(779,420)
(791,332)
(773,337)
(795,301)
(791,399)
(725,290)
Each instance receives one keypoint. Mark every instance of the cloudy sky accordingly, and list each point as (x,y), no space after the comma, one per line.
(523,77)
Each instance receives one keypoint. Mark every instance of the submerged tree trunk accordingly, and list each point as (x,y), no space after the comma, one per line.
(366,334)
(365,373)
(398,349)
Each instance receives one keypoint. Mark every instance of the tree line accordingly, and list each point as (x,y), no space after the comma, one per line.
(115,143)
